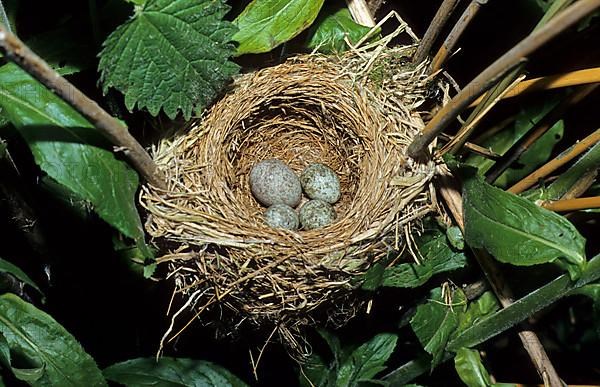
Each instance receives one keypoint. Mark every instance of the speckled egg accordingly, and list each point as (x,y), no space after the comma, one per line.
(320,182)
(273,182)
(282,216)
(316,214)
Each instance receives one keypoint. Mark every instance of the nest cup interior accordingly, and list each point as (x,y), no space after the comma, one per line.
(308,109)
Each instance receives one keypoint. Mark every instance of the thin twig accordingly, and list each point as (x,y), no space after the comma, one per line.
(360,12)
(16,51)
(556,163)
(572,204)
(485,152)
(454,35)
(486,79)
(573,78)
(449,188)
(538,130)
(438,22)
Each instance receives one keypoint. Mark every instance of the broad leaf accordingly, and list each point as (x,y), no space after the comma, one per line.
(68,148)
(265,24)
(518,232)
(7,267)
(330,31)
(367,360)
(54,356)
(470,369)
(171,372)
(477,310)
(435,322)
(172,55)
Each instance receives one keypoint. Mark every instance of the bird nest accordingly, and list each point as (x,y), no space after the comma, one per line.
(357,114)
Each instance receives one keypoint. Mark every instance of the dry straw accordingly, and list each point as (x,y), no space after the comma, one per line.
(356,113)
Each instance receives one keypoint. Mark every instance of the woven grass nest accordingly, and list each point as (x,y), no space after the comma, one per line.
(357,114)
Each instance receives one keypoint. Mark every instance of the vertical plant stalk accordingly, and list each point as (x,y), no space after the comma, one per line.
(556,163)
(4,17)
(572,204)
(17,52)
(360,12)
(487,78)
(572,78)
(454,35)
(439,21)
(449,188)
(538,130)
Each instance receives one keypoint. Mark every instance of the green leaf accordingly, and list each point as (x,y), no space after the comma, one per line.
(265,24)
(367,360)
(518,232)
(7,267)
(69,149)
(477,310)
(171,372)
(314,372)
(455,237)
(334,345)
(435,321)
(172,55)
(329,32)
(470,369)
(54,356)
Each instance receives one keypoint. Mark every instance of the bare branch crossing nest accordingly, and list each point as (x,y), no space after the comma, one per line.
(357,114)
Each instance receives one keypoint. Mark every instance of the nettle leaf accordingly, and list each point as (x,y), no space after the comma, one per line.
(516,231)
(7,267)
(470,369)
(329,33)
(367,360)
(172,55)
(171,372)
(69,149)
(435,322)
(54,357)
(265,24)
(437,256)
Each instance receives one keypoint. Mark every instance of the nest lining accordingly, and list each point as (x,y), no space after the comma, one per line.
(309,109)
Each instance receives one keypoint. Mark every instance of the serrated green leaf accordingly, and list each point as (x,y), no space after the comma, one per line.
(171,372)
(7,267)
(435,322)
(330,31)
(470,369)
(518,232)
(69,149)
(367,360)
(172,55)
(56,358)
(265,24)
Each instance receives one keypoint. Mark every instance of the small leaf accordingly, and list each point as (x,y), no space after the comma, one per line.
(172,55)
(470,369)
(455,237)
(477,310)
(329,32)
(171,372)
(367,360)
(518,232)
(69,149)
(265,24)
(7,267)
(56,358)
(435,322)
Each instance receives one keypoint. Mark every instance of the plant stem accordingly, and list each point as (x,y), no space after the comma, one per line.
(450,192)
(4,17)
(485,152)
(573,78)
(438,22)
(454,35)
(360,12)
(538,130)
(556,163)
(486,79)
(17,52)
(572,204)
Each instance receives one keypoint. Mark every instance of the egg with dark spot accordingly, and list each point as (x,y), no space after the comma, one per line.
(273,182)
(316,214)
(320,182)
(282,216)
